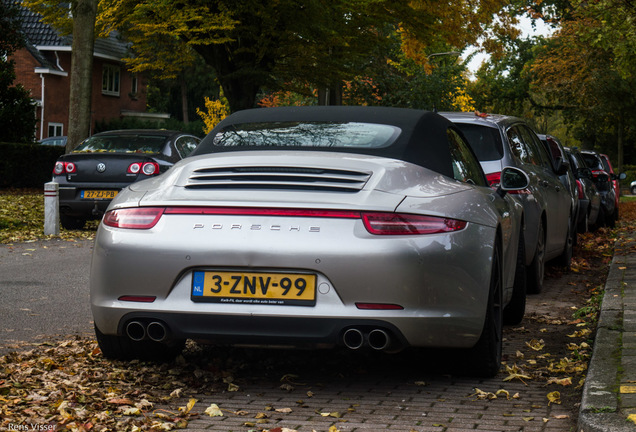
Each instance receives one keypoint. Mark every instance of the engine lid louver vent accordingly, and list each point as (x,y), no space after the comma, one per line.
(278,178)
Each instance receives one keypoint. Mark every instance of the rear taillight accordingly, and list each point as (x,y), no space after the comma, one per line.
(64,168)
(148,168)
(494,179)
(133,218)
(409,224)
(375,222)
(579,187)
(600,175)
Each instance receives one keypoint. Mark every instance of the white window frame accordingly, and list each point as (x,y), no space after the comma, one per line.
(57,127)
(111,80)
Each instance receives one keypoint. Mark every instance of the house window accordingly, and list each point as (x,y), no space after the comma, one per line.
(56,129)
(110,80)
(133,88)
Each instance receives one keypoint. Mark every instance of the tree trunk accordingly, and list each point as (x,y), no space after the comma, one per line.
(79,111)
(184,101)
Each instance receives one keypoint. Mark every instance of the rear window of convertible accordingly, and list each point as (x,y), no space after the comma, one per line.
(307,134)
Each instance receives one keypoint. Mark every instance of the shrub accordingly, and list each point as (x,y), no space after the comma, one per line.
(27,165)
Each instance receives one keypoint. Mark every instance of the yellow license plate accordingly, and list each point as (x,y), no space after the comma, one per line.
(98,194)
(254,288)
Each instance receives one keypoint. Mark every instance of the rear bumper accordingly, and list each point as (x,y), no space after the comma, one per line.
(73,205)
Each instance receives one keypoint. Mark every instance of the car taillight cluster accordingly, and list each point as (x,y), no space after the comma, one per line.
(148,168)
(377,223)
(494,179)
(579,186)
(64,168)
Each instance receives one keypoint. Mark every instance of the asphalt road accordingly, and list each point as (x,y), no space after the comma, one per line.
(44,291)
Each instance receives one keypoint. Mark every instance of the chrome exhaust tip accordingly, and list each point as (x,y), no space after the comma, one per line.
(353,338)
(136,331)
(379,339)
(157,331)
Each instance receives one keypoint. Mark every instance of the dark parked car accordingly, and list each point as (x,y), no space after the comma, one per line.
(615,178)
(501,141)
(102,165)
(605,185)
(57,141)
(589,198)
(561,164)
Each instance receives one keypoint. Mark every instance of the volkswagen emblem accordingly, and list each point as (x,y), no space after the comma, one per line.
(101,167)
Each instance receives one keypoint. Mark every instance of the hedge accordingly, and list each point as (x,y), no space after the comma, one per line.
(27,165)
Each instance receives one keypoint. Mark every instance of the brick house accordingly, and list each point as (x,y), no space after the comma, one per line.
(43,67)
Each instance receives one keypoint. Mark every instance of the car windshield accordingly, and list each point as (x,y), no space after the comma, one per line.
(307,134)
(592,161)
(122,143)
(485,141)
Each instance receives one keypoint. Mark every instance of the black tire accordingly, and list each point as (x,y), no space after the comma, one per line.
(584,225)
(600,220)
(536,269)
(565,259)
(611,221)
(71,223)
(485,357)
(124,348)
(515,310)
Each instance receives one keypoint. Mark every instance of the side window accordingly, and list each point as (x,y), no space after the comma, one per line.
(466,167)
(185,145)
(517,146)
(540,155)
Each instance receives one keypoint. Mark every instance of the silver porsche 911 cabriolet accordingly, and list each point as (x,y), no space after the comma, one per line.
(314,226)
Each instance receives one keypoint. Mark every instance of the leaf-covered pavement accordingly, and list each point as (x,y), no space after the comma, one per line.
(22,218)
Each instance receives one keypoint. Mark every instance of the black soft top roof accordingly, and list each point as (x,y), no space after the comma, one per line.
(423,139)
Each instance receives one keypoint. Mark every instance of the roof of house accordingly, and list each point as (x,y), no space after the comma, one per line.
(43,37)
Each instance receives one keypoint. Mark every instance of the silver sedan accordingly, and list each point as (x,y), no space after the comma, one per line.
(369,228)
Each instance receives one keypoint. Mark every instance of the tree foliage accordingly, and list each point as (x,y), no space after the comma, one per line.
(254,44)
(585,71)
(17,109)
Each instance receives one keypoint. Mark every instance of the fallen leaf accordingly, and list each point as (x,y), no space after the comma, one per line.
(213,411)
(554,397)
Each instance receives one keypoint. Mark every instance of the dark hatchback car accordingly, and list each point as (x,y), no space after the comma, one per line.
(500,141)
(589,198)
(102,165)
(604,182)
(561,164)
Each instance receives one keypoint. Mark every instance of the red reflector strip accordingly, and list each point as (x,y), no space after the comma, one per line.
(139,299)
(256,211)
(379,306)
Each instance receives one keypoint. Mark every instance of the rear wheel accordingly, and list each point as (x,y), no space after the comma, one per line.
(515,310)
(584,225)
(536,270)
(71,223)
(485,356)
(123,348)
(565,259)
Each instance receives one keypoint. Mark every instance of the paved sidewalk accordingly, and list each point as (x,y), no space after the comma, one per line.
(609,395)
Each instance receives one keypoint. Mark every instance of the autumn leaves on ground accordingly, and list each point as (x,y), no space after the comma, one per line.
(70,385)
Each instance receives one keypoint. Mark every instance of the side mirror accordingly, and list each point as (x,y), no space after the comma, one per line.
(622,176)
(512,179)
(562,166)
(584,173)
